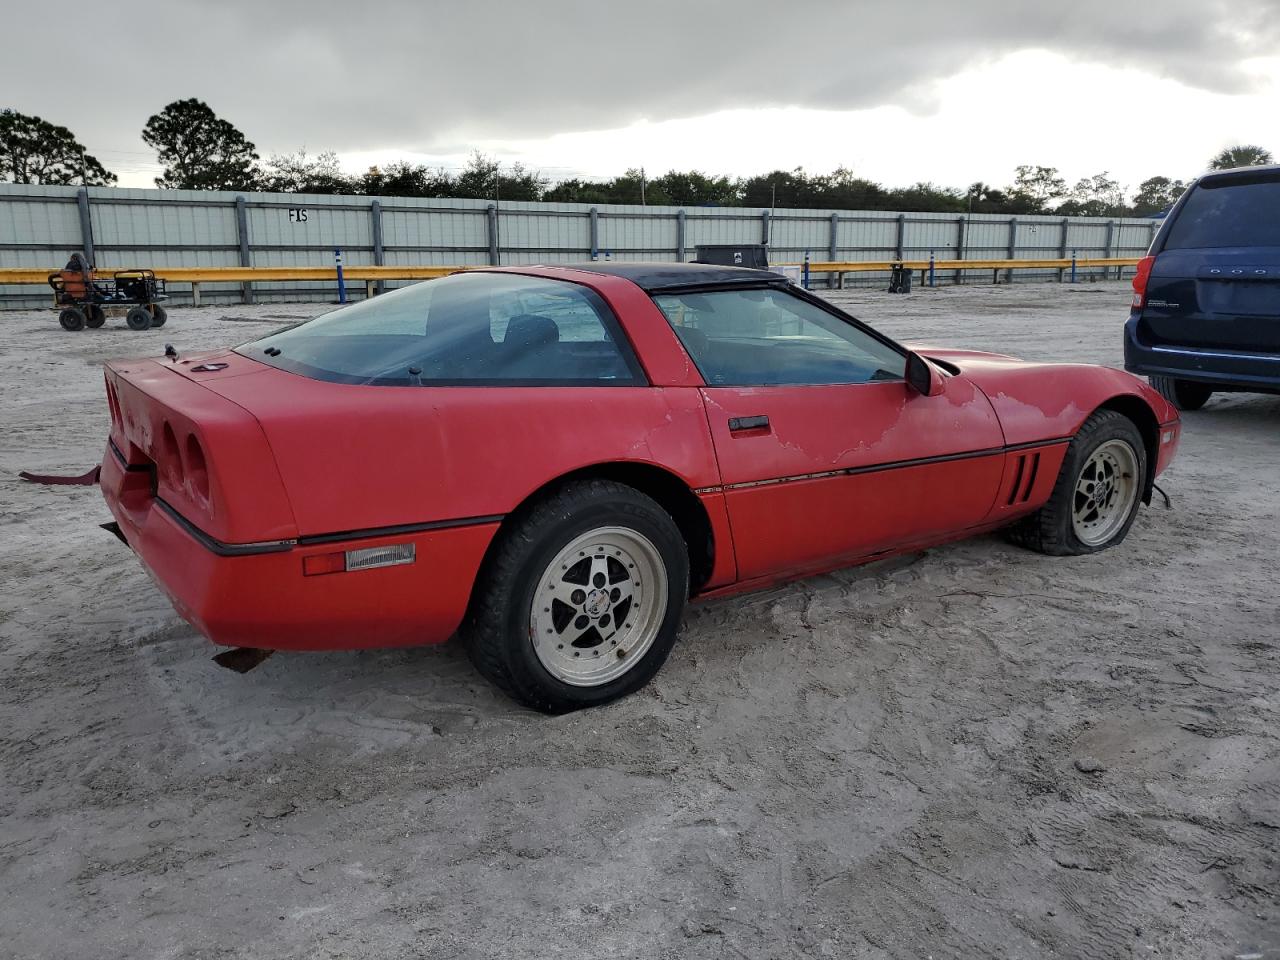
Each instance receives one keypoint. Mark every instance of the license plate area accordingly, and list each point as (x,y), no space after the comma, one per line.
(1241,298)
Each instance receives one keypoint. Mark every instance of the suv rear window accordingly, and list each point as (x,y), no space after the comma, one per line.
(497,329)
(1236,211)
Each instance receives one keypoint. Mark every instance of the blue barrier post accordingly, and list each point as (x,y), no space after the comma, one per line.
(1073,266)
(806,270)
(342,287)
(931,268)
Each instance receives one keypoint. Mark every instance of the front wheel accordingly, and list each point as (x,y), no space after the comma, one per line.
(95,316)
(138,318)
(581,600)
(1097,494)
(158,315)
(1183,394)
(72,319)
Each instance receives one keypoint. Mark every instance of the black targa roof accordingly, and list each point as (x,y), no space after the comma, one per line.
(658,277)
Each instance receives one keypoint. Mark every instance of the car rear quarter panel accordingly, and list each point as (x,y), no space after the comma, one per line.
(360,457)
(156,416)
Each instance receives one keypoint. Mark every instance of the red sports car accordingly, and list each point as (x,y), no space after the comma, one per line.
(551,461)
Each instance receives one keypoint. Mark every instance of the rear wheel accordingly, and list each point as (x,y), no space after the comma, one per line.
(95,316)
(72,319)
(138,318)
(1183,394)
(581,599)
(158,315)
(1097,494)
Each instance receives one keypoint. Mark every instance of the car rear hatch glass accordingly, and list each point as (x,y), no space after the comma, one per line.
(1216,279)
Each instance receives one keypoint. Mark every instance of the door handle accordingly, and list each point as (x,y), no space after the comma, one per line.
(741,424)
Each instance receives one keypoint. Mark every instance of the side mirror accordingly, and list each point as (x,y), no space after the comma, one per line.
(922,376)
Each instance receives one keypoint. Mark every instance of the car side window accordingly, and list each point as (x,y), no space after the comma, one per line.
(769,336)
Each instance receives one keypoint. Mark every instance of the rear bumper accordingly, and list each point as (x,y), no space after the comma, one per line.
(256,595)
(1237,369)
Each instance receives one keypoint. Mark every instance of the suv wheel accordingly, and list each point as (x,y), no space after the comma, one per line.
(1183,394)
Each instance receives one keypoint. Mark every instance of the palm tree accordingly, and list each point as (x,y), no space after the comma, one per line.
(1245,155)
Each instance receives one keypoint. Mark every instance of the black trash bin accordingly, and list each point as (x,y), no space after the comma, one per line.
(899,279)
(734,255)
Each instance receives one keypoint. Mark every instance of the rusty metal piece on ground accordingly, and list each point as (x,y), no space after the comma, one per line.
(83,480)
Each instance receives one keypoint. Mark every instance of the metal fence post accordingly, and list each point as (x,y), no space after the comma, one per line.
(595,233)
(680,227)
(1013,246)
(1062,245)
(805,272)
(1111,230)
(899,244)
(491,225)
(958,276)
(833,244)
(764,227)
(375,223)
(242,233)
(1073,266)
(931,268)
(86,224)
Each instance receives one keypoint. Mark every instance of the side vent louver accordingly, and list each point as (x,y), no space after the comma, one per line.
(1024,478)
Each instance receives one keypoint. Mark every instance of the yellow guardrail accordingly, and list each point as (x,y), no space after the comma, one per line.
(247,274)
(864,266)
(198,275)
(369,275)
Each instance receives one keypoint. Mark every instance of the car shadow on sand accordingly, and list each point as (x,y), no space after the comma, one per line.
(364,702)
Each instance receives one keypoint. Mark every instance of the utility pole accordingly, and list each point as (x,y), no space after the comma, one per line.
(497,219)
(642,203)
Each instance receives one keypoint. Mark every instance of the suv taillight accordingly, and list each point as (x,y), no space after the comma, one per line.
(1140,282)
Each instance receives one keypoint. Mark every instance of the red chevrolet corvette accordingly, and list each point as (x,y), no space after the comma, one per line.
(551,461)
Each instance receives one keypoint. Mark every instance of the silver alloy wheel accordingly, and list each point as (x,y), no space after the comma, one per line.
(1105,493)
(599,606)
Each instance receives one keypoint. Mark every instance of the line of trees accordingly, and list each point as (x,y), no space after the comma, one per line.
(198,150)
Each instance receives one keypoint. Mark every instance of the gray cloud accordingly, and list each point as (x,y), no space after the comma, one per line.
(426,77)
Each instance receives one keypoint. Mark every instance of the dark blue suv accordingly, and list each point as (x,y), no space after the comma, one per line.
(1206,304)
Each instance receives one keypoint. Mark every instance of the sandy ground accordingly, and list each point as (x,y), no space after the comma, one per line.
(974,752)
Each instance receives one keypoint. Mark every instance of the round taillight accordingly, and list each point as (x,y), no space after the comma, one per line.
(113,404)
(170,459)
(197,469)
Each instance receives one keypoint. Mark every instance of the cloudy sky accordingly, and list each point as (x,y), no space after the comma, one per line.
(945,91)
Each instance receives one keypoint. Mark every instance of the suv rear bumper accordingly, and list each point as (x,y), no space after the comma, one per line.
(1233,369)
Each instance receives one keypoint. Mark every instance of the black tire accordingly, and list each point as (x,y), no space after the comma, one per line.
(138,318)
(95,316)
(1051,529)
(158,315)
(1183,394)
(498,627)
(72,319)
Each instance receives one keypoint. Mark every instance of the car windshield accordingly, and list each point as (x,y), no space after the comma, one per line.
(1236,211)
(469,328)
